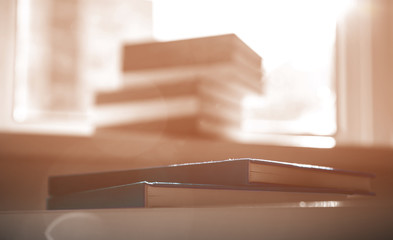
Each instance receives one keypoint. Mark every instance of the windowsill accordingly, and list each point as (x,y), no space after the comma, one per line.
(120,146)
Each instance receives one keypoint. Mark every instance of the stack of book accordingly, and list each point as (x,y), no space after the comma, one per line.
(193,87)
(216,183)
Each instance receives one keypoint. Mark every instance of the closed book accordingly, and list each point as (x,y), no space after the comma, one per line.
(161,194)
(194,126)
(184,127)
(223,56)
(197,99)
(194,51)
(232,172)
(220,88)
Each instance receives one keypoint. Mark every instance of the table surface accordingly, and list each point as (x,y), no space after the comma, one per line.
(303,220)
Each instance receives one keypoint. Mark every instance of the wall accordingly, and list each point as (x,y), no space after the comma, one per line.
(364,74)
(382,88)
(7,49)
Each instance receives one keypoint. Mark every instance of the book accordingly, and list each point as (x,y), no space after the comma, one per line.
(194,51)
(198,99)
(228,72)
(230,91)
(202,80)
(185,127)
(161,194)
(231,172)
(224,56)
(193,126)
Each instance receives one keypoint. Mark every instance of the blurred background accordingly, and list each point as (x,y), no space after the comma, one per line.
(327,74)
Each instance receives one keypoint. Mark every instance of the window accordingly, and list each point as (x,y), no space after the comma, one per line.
(65,50)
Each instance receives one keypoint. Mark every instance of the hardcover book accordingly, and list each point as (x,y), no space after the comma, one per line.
(191,102)
(232,172)
(212,49)
(162,194)
(224,57)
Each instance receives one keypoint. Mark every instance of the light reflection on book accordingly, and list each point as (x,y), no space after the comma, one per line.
(320,204)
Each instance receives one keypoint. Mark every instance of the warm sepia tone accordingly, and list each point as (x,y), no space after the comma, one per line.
(113,87)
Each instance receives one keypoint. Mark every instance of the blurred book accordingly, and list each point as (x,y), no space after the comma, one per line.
(223,56)
(163,194)
(183,107)
(233,172)
(192,87)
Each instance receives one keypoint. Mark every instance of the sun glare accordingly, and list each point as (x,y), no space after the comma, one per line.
(296,41)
